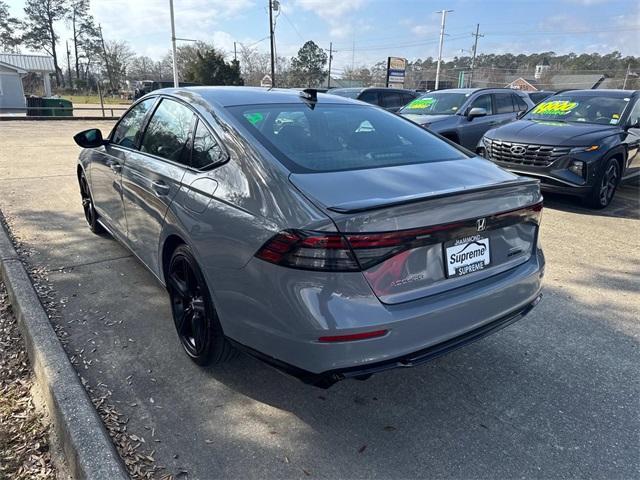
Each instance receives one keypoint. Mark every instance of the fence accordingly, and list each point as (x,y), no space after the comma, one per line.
(62,113)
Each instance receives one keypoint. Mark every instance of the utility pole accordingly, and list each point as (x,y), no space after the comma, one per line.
(444,17)
(626,76)
(330,58)
(69,65)
(273,47)
(106,58)
(173,46)
(475,49)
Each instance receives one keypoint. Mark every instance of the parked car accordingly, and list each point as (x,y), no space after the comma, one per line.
(338,243)
(579,142)
(537,97)
(463,115)
(147,86)
(391,99)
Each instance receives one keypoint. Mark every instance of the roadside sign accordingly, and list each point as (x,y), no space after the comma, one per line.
(266,81)
(396,68)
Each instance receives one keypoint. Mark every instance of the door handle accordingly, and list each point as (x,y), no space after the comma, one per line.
(115,167)
(160,188)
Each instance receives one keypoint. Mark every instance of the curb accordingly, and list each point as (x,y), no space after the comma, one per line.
(87,447)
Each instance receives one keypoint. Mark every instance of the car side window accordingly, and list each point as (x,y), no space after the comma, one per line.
(168,132)
(483,101)
(128,131)
(206,150)
(369,96)
(503,103)
(520,104)
(634,116)
(390,99)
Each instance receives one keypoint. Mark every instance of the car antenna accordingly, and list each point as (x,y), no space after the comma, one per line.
(311,95)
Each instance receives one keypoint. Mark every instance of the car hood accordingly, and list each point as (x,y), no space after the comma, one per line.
(383,186)
(426,119)
(552,133)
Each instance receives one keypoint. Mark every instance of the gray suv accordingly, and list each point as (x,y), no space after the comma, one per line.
(464,115)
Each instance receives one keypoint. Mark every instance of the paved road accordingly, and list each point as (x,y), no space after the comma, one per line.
(555,395)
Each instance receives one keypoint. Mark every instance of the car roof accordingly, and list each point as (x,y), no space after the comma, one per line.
(600,91)
(231,96)
(474,90)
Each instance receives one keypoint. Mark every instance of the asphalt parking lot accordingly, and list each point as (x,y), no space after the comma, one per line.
(556,395)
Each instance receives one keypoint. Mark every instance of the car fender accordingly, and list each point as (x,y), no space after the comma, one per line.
(619,151)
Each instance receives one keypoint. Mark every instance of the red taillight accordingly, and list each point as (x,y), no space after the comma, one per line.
(352,252)
(353,336)
(310,251)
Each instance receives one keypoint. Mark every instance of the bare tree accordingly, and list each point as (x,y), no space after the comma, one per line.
(118,55)
(39,27)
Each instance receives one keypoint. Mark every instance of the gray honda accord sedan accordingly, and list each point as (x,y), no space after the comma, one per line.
(328,237)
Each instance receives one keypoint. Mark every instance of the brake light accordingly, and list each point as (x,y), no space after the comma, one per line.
(353,252)
(309,251)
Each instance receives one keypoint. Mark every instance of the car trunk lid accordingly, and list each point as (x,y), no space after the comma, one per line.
(405,222)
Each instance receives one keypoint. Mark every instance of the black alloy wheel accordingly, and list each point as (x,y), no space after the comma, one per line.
(193,312)
(90,213)
(606,186)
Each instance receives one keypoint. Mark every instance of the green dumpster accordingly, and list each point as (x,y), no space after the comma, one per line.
(57,107)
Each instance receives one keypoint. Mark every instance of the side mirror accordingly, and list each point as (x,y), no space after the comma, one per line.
(476,112)
(91,138)
(634,125)
(520,114)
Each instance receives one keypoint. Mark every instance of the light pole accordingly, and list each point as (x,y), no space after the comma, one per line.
(173,46)
(444,17)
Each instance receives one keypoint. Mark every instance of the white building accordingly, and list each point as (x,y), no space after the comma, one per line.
(13,67)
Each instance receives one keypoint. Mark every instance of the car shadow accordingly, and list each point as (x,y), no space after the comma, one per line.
(625,203)
(527,390)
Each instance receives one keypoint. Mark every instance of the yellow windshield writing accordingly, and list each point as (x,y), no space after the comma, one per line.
(420,103)
(555,107)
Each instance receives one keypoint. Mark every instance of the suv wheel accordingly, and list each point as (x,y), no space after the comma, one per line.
(605,185)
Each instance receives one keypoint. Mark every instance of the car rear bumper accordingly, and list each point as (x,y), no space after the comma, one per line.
(328,378)
(284,319)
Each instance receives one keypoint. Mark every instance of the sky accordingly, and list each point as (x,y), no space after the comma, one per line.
(366,31)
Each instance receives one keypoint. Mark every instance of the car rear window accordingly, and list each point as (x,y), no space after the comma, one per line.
(325,138)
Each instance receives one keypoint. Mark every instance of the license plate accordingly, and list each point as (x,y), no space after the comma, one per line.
(467,255)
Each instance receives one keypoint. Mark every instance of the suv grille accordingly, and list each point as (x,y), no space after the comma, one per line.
(523,154)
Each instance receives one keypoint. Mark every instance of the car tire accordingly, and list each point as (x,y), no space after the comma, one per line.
(194,314)
(90,213)
(605,185)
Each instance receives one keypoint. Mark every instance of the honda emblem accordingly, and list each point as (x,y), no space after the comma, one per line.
(481,224)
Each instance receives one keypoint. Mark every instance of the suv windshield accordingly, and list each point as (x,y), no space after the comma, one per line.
(436,104)
(597,109)
(330,137)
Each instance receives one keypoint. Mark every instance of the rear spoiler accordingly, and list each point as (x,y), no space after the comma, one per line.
(378,203)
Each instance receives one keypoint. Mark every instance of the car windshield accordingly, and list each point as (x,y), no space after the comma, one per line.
(438,103)
(596,109)
(330,137)
(346,92)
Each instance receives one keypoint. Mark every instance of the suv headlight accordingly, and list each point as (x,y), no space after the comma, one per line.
(591,148)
